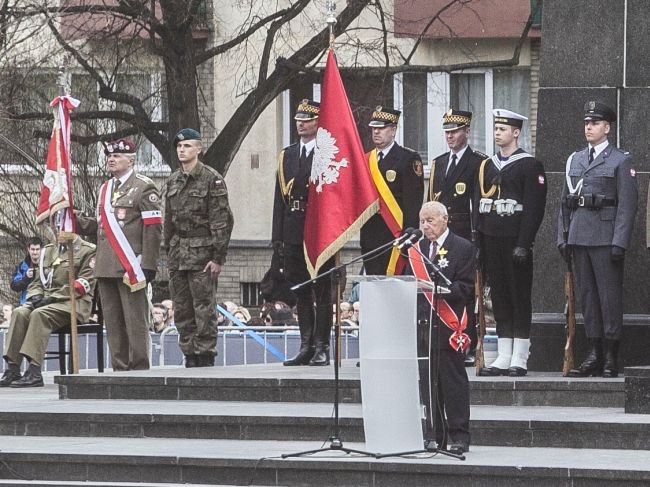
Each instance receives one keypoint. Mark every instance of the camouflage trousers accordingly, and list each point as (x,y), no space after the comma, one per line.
(194,296)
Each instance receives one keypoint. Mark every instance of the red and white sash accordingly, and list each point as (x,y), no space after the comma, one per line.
(134,277)
(458,340)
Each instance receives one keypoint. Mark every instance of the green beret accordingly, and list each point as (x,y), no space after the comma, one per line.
(186,134)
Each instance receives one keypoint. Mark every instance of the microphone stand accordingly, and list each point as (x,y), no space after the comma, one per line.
(434,321)
(336,444)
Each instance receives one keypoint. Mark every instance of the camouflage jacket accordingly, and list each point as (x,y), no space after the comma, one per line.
(197,221)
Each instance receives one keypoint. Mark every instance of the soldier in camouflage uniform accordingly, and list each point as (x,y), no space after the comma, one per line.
(197,227)
(47,309)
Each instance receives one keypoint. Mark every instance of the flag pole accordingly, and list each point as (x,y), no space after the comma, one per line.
(68,239)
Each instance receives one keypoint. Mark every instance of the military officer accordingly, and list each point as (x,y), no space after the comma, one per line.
(128,226)
(599,202)
(397,173)
(197,227)
(451,181)
(510,197)
(289,206)
(47,309)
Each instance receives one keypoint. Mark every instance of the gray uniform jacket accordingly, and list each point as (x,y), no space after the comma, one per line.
(611,176)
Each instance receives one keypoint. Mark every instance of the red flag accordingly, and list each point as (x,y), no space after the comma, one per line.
(342,196)
(56,192)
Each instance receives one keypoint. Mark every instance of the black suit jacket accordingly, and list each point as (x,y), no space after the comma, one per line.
(288,225)
(408,190)
(456,189)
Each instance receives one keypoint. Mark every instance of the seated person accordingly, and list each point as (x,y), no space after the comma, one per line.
(47,309)
(159,314)
(242,315)
(445,343)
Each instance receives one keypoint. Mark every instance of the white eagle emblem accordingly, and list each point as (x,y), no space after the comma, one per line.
(324,169)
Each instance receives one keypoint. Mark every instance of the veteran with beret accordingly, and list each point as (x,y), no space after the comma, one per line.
(399,178)
(128,225)
(197,227)
(47,309)
(599,203)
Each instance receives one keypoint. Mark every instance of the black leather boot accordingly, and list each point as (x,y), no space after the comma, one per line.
(306,324)
(11,374)
(205,360)
(322,335)
(611,358)
(593,364)
(31,378)
(191,361)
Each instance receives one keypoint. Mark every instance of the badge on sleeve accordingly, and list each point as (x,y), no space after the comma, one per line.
(153,197)
(632,172)
(541,180)
(219,183)
(417,167)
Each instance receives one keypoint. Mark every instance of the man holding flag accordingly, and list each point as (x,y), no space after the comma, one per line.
(289,206)
(398,176)
(128,226)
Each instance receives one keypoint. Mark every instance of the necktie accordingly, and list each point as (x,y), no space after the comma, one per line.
(380,154)
(451,165)
(433,250)
(304,152)
(116,185)
(591,155)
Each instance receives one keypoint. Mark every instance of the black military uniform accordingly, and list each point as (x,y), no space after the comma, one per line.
(451,182)
(599,203)
(401,171)
(510,197)
(289,207)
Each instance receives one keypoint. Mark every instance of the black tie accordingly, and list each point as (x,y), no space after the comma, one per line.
(381,156)
(591,155)
(452,165)
(304,152)
(433,251)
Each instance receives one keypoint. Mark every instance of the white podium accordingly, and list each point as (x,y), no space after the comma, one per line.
(392,414)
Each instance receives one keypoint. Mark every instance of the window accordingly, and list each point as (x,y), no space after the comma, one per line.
(250,294)
(414,113)
(467,92)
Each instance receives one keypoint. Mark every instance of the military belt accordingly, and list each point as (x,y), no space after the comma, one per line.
(199,232)
(595,201)
(459,217)
(297,205)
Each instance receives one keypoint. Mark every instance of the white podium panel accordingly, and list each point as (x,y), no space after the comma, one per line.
(389,368)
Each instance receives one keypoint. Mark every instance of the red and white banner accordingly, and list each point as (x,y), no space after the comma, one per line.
(458,340)
(56,192)
(342,196)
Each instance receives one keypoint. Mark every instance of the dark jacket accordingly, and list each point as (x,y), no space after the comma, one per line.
(20,280)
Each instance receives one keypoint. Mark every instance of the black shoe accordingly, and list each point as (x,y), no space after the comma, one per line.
(205,360)
(610,369)
(303,357)
(191,361)
(321,357)
(517,372)
(10,375)
(492,372)
(458,447)
(31,378)
(593,364)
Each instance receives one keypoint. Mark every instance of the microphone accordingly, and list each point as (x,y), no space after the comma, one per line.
(415,237)
(403,237)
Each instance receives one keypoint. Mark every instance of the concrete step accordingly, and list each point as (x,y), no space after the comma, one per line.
(41,414)
(229,462)
(68,483)
(274,383)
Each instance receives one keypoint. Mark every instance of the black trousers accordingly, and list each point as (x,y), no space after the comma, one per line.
(314,300)
(600,283)
(444,386)
(510,287)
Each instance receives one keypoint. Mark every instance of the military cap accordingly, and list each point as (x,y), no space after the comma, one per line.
(456,119)
(383,117)
(595,110)
(186,134)
(307,110)
(120,146)
(508,118)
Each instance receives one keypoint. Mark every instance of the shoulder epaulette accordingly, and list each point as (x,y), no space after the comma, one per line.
(481,155)
(144,178)
(441,155)
(291,145)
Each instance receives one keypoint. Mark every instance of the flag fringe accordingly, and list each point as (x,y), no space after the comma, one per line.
(341,240)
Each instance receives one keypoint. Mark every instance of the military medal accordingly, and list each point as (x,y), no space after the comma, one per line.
(391,175)
(443,262)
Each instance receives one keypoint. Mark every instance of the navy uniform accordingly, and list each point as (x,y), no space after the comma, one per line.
(599,203)
(510,198)
(196,231)
(398,175)
(289,207)
(451,182)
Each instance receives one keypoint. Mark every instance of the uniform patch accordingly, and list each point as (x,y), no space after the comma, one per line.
(153,198)
(391,175)
(541,180)
(632,172)
(460,188)
(417,168)
(120,213)
(219,183)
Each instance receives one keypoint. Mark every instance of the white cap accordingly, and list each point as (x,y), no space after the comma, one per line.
(508,118)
